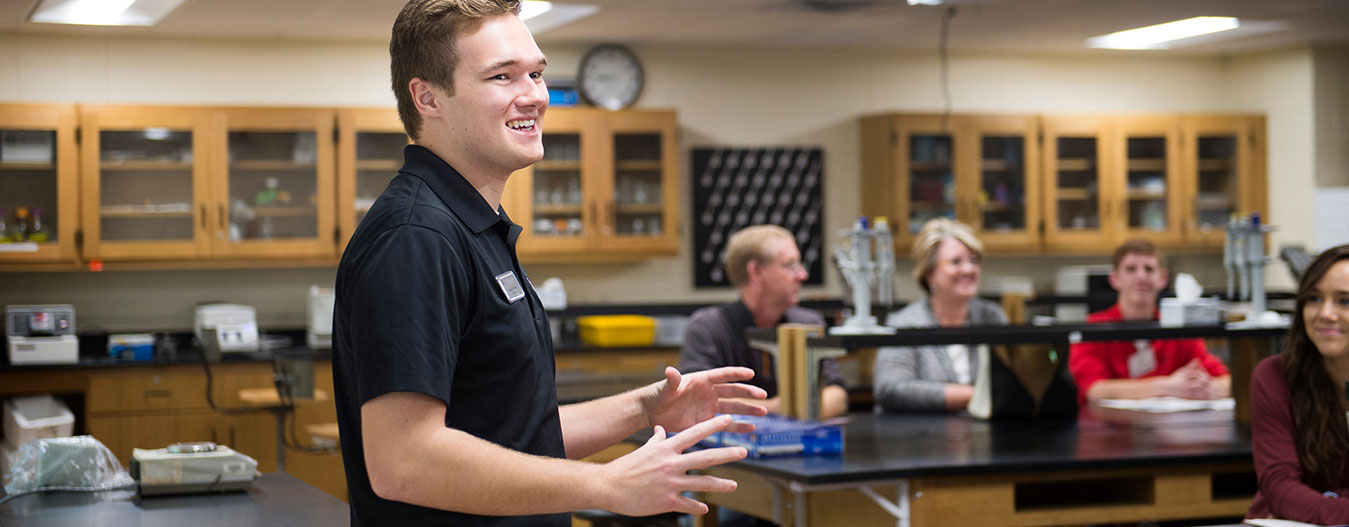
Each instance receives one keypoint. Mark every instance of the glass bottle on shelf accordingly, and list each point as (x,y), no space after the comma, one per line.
(20,224)
(36,232)
(4,227)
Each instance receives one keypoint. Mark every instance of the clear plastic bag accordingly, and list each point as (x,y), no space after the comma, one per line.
(78,463)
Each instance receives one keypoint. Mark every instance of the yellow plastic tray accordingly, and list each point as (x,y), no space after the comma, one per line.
(617,330)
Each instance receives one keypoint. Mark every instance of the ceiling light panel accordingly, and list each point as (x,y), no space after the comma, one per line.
(1163,36)
(103,12)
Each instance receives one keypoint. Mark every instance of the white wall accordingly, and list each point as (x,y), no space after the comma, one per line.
(723,96)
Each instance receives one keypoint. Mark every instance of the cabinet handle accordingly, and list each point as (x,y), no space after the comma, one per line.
(214,439)
(222,216)
(150,394)
(203,216)
(232,435)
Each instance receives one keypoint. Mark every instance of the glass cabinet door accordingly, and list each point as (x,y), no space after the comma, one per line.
(1222,175)
(1150,203)
(998,182)
(144,192)
(1075,175)
(38,183)
(638,175)
(379,155)
(275,196)
(929,167)
(370,143)
(557,200)
(638,194)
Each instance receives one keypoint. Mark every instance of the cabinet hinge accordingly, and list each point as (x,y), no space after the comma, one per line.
(336,135)
(78,134)
(337,235)
(79,237)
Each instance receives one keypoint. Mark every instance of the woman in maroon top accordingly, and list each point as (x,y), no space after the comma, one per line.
(1299,430)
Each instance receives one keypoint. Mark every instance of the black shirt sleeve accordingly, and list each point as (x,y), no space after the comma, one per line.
(408,303)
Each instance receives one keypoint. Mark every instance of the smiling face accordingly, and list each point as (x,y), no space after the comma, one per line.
(1138,278)
(956,272)
(491,125)
(1325,313)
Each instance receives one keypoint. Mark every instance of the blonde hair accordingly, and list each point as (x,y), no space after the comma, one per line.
(750,244)
(425,45)
(935,231)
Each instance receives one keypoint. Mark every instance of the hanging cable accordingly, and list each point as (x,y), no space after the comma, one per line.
(944,60)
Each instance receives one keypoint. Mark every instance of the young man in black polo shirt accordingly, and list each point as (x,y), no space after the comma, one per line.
(443,365)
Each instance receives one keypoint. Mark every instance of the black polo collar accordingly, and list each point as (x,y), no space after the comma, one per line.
(741,317)
(453,189)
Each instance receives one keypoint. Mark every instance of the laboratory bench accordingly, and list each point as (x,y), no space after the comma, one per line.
(1107,466)
(275,500)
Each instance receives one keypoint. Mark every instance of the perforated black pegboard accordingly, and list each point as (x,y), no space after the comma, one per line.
(734,188)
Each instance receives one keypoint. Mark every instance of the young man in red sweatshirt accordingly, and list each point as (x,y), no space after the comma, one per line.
(1143,368)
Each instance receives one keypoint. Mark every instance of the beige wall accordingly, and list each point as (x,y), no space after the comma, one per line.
(723,96)
(1331,92)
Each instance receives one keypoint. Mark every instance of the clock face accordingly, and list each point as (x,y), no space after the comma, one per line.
(610,77)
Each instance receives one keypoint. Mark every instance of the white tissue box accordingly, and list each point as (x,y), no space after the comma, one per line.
(1199,312)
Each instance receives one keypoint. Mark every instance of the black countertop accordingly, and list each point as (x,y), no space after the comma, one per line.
(882,447)
(275,500)
(1027,334)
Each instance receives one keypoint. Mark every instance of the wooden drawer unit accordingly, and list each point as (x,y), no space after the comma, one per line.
(252,434)
(173,387)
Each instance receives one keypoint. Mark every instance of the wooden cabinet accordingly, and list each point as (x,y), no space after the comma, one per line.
(1224,165)
(981,170)
(607,187)
(151,407)
(1069,184)
(39,183)
(194,183)
(370,144)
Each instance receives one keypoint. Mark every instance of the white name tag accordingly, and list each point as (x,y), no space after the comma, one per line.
(1142,361)
(510,286)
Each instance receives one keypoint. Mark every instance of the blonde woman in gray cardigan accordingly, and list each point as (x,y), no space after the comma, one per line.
(947,258)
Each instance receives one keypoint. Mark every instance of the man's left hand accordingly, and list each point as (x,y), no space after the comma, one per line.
(681,401)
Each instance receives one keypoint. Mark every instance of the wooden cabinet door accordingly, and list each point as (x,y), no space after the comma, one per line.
(1223,174)
(254,434)
(554,199)
(998,180)
(1079,206)
(639,198)
(1149,188)
(38,174)
(274,183)
(145,185)
(925,166)
(370,145)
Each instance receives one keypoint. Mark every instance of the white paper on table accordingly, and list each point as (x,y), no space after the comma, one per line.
(1271,522)
(1163,405)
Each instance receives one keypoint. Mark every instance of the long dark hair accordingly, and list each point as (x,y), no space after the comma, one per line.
(1322,437)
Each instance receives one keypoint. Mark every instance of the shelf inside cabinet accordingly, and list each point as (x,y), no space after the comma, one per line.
(639,164)
(1216,164)
(640,208)
(557,210)
(1078,194)
(285,210)
(1146,195)
(144,166)
(270,164)
(929,206)
(1076,164)
(999,165)
(928,166)
(379,164)
(143,214)
(27,165)
(557,164)
(1149,165)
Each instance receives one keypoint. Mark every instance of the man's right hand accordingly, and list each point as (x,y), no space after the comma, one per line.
(651,479)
